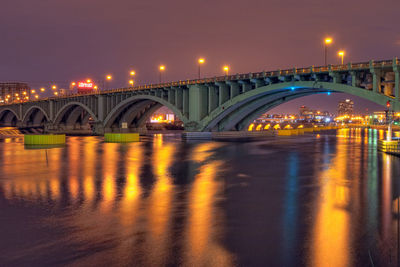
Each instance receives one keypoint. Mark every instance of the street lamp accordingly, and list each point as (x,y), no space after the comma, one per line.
(37,96)
(341,55)
(201,61)
(54,87)
(131,82)
(33,91)
(42,89)
(132,73)
(327,42)
(226,70)
(162,68)
(109,77)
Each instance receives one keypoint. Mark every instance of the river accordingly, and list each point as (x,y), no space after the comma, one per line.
(314,200)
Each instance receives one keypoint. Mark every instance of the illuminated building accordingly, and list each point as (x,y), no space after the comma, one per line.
(345,107)
(9,90)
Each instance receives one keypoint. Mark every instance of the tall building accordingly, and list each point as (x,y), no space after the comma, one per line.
(345,107)
(11,92)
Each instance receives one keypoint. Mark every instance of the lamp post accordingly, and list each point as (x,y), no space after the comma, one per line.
(327,42)
(162,68)
(225,69)
(341,55)
(108,79)
(201,61)
(132,73)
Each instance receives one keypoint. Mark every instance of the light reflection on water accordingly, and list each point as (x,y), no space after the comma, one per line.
(326,201)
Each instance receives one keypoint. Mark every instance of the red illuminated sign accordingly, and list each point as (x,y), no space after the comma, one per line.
(85,85)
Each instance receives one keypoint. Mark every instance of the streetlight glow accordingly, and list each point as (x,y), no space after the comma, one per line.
(131,82)
(42,89)
(33,91)
(36,96)
(327,42)
(132,73)
(54,87)
(56,93)
(162,68)
(109,77)
(341,55)
(226,69)
(201,61)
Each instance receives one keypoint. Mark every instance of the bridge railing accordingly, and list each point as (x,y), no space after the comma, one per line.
(243,76)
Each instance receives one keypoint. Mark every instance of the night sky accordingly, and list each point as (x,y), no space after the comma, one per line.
(43,41)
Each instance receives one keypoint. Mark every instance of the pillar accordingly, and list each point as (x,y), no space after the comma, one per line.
(178,98)
(185,102)
(198,102)
(396,70)
(100,108)
(212,98)
(51,110)
(224,93)
(235,89)
(171,96)
(376,77)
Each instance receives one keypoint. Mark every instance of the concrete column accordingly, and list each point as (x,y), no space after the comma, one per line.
(20,112)
(212,98)
(376,77)
(246,87)
(171,96)
(396,70)
(336,77)
(51,109)
(235,89)
(198,102)
(224,93)
(185,102)
(100,108)
(178,98)
(354,79)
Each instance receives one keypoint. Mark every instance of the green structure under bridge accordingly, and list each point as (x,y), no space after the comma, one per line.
(223,103)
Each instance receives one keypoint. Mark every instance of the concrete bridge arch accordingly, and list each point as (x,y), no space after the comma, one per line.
(237,113)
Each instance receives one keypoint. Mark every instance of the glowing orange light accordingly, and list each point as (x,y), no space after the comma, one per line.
(201,60)
(162,68)
(33,91)
(328,40)
(226,69)
(109,77)
(132,73)
(42,89)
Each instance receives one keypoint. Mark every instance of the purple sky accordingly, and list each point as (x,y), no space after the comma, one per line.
(65,40)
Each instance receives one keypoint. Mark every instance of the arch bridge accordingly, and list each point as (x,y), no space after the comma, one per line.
(223,103)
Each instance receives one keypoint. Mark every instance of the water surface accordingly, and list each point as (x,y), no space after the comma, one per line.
(316,200)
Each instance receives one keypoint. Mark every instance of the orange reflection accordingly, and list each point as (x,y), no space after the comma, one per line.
(204,151)
(202,245)
(330,238)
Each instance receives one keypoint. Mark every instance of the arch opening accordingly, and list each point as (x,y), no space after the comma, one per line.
(136,114)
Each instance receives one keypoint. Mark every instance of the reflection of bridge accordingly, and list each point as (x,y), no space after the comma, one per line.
(214,104)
